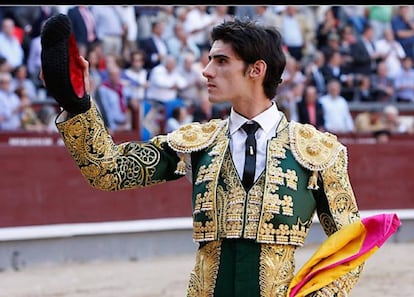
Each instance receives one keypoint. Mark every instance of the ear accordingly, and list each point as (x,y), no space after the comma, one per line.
(258,69)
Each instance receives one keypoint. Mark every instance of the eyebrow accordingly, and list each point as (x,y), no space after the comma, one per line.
(219,56)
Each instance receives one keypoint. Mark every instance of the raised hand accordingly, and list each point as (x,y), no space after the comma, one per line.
(64,71)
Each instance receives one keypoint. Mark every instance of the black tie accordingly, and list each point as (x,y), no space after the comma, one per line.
(250,155)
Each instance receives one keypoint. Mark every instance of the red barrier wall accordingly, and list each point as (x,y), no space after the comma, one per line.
(40,184)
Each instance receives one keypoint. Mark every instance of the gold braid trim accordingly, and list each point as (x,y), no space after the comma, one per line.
(194,137)
(314,149)
(104,164)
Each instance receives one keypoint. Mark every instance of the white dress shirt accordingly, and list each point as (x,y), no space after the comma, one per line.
(268,121)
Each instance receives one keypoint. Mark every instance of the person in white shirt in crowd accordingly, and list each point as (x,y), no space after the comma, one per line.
(136,76)
(392,51)
(21,79)
(10,105)
(10,46)
(297,32)
(130,37)
(165,81)
(404,82)
(394,122)
(110,27)
(338,118)
(197,25)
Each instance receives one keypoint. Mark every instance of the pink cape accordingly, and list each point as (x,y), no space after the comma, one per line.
(343,251)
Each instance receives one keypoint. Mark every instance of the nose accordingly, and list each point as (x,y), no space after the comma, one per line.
(207,71)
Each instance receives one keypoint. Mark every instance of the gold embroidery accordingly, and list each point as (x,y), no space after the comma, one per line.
(194,137)
(204,275)
(339,193)
(313,149)
(291,179)
(104,164)
(276,269)
(206,202)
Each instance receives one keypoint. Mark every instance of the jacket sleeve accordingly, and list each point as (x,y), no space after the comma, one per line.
(112,167)
(336,208)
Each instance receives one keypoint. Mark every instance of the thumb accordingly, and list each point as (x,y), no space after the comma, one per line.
(85,66)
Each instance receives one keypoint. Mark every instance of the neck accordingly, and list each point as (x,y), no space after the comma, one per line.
(249,111)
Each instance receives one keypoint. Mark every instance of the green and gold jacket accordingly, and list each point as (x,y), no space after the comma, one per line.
(305,172)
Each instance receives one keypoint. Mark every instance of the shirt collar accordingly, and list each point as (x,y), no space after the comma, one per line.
(267,119)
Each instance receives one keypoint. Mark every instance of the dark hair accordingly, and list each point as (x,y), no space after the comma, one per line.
(252,42)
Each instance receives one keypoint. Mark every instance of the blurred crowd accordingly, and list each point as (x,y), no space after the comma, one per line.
(146,65)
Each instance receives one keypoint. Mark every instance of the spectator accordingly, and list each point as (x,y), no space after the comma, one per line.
(113,100)
(136,76)
(368,122)
(364,53)
(288,102)
(130,28)
(314,74)
(382,136)
(338,118)
(392,120)
(334,69)
(326,27)
(363,91)
(203,111)
(245,11)
(380,16)
(168,15)
(110,27)
(333,44)
(21,80)
(95,74)
(83,26)
(356,16)
(179,44)
(197,25)
(34,61)
(28,117)
(10,46)
(404,81)
(165,81)
(292,74)
(191,93)
(146,14)
(391,51)
(220,13)
(179,116)
(382,86)
(310,110)
(403,27)
(297,32)
(347,38)
(10,105)
(266,16)
(154,46)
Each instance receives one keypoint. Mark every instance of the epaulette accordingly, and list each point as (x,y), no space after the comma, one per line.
(195,136)
(313,149)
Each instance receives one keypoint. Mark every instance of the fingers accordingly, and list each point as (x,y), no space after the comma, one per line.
(41,78)
(86,75)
